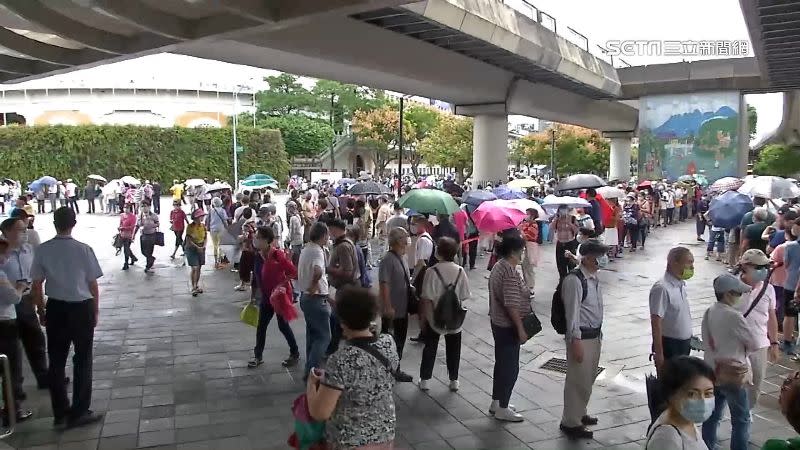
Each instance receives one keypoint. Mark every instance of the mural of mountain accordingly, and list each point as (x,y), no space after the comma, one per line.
(687,124)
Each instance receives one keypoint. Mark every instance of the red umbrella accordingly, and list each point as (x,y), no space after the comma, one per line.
(606,211)
(646,184)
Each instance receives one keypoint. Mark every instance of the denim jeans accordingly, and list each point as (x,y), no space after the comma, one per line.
(736,398)
(317,312)
(506,363)
(717,237)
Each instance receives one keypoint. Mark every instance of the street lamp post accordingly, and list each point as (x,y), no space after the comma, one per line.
(235,154)
(553,154)
(333,141)
(400,148)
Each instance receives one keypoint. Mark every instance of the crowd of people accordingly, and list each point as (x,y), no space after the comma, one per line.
(321,253)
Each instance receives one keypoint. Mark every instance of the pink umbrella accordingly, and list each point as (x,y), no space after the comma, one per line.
(490,217)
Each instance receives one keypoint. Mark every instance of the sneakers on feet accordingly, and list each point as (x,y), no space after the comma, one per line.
(576,432)
(87,418)
(255,362)
(239,287)
(496,405)
(454,385)
(291,361)
(508,415)
(403,377)
(423,385)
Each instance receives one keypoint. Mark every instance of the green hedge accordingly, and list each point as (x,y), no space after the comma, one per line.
(163,154)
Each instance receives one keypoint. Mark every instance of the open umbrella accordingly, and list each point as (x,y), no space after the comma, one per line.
(728,209)
(701,179)
(47,180)
(97,178)
(726,184)
(194,182)
(476,197)
(346,181)
(428,201)
(127,179)
(259,184)
(491,217)
(521,204)
(260,176)
(368,188)
(453,189)
(523,183)
(9,181)
(580,181)
(770,187)
(218,186)
(686,178)
(611,192)
(552,202)
(507,193)
(646,184)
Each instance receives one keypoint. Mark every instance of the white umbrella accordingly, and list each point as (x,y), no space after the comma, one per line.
(127,179)
(770,187)
(552,202)
(611,192)
(218,186)
(97,178)
(521,204)
(194,182)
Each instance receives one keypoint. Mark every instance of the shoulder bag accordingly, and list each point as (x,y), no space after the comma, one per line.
(764,285)
(413,298)
(530,322)
(729,372)
(375,353)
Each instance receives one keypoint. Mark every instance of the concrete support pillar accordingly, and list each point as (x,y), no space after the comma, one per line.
(620,158)
(490,149)
(743,150)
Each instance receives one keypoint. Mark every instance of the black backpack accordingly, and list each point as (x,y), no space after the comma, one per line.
(449,314)
(558,314)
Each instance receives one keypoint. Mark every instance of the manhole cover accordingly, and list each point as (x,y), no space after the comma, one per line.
(560,365)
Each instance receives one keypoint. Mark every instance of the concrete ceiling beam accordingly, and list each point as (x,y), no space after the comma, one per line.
(35,11)
(22,66)
(145,18)
(260,10)
(41,51)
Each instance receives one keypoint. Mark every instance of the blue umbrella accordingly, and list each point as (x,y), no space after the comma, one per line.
(475,198)
(728,209)
(504,192)
(36,186)
(47,180)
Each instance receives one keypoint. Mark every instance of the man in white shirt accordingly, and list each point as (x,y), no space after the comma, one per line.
(728,339)
(312,282)
(52,194)
(670,318)
(72,195)
(423,250)
(759,310)
(398,220)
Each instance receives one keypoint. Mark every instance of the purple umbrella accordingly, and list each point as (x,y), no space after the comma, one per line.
(475,198)
(504,192)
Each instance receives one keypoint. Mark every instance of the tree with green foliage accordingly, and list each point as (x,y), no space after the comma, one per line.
(154,153)
(423,119)
(449,144)
(578,150)
(379,130)
(343,100)
(302,135)
(752,120)
(778,160)
(285,96)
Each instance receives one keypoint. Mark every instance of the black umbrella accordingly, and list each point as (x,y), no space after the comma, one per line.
(580,181)
(368,188)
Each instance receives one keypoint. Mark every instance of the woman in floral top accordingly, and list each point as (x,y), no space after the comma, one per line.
(354,393)
(127,226)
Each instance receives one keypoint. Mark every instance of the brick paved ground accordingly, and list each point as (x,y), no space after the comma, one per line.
(170,370)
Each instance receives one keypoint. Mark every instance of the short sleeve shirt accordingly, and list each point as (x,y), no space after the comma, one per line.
(424,248)
(197,231)
(753,234)
(432,288)
(758,317)
(50,261)
(668,300)
(365,412)
(217,219)
(394,272)
(311,256)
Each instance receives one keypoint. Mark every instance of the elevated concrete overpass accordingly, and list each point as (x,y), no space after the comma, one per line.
(483,56)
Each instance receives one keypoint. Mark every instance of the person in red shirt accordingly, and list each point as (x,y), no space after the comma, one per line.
(178,221)
(272,269)
(127,225)
(529,228)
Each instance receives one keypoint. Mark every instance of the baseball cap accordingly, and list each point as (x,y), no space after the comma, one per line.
(729,283)
(754,257)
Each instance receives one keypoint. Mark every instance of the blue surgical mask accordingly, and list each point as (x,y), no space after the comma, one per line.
(602,261)
(697,410)
(759,274)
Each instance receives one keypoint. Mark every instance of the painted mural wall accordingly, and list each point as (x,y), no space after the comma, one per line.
(688,134)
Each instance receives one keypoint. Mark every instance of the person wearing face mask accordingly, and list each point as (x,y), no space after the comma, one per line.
(759,310)
(148,223)
(584,321)
(688,387)
(789,402)
(728,339)
(670,316)
(566,230)
(791,261)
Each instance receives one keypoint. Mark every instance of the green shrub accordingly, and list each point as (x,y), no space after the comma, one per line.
(163,154)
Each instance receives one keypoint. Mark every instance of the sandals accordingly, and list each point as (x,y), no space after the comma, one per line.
(196,291)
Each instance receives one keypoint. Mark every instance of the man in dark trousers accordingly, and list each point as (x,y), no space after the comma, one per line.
(90,192)
(70,317)
(156,197)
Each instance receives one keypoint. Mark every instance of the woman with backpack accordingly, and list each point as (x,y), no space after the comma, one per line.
(442,282)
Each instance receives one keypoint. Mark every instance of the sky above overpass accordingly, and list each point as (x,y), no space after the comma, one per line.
(600,22)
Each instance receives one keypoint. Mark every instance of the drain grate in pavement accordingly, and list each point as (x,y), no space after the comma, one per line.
(560,365)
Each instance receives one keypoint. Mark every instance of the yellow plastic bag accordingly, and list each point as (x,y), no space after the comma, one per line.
(249,315)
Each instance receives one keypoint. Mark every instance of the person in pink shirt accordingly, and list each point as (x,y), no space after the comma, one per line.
(778,277)
(460,221)
(127,225)
(178,221)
